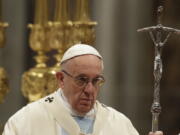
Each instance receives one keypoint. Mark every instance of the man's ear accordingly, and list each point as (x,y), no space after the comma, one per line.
(60,79)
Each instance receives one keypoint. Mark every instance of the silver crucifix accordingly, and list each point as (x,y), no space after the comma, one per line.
(156,33)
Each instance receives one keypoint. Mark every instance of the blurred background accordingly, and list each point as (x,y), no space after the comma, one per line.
(128,58)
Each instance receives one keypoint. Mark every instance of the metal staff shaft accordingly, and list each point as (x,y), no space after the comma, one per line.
(156,33)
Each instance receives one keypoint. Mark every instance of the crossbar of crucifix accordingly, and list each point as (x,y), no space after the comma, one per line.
(156,34)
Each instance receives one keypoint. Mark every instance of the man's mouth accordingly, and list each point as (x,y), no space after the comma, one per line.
(86,101)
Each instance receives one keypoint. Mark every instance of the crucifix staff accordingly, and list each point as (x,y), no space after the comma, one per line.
(156,33)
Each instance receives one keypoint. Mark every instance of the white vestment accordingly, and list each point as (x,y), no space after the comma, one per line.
(49,116)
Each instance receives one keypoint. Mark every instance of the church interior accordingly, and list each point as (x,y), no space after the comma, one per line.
(35,33)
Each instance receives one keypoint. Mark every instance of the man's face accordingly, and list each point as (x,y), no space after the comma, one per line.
(81,98)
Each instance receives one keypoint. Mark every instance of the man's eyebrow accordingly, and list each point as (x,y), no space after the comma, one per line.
(84,75)
(81,74)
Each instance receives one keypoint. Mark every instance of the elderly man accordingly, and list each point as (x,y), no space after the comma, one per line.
(73,109)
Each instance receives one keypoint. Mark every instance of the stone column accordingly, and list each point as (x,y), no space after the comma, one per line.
(127,56)
(12,57)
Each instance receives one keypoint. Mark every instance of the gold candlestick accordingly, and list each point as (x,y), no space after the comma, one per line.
(34,81)
(84,31)
(82,10)
(4,85)
(61,27)
(41,12)
(0,10)
(60,38)
(3,26)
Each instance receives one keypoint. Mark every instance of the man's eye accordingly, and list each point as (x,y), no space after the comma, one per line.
(81,80)
(98,81)
(95,80)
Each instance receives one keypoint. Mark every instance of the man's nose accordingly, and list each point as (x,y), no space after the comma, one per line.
(89,88)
